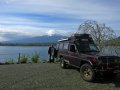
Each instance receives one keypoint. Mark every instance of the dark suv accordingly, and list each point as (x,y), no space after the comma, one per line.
(80,51)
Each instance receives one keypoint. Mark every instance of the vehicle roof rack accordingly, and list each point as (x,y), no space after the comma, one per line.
(66,39)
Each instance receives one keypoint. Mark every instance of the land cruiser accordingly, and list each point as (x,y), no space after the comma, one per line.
(80,51)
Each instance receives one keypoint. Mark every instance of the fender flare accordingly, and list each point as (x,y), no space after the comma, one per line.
(85,61)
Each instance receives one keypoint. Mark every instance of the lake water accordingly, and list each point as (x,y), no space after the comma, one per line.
(12,52)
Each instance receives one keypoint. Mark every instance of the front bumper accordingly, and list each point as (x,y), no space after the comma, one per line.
(108,63)
(114,67)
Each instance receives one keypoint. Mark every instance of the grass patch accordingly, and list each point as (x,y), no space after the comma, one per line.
(23,59)
(35,58)
(11,61)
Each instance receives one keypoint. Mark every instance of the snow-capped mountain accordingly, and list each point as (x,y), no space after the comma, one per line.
(38,39)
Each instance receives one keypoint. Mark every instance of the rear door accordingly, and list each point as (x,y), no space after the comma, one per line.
(74,55)
(65,50)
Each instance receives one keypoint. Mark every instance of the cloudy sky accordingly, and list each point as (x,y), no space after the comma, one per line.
(23,18)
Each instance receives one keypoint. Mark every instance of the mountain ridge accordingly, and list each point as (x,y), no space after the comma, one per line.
(38,39)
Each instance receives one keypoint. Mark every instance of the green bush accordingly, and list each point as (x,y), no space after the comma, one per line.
(11,61)
(23,59)
(35,58)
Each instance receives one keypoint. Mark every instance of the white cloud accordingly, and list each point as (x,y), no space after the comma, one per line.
(79,8)
(100,10)
(3,38)
(51,32)
(32,31)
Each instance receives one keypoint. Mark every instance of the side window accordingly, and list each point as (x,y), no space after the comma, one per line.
(60,45)
(72,48)
(57,46)
(66,45)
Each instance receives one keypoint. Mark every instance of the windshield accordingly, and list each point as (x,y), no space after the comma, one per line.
(87,47)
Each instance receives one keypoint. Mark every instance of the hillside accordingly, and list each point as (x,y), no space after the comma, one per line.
(38,39)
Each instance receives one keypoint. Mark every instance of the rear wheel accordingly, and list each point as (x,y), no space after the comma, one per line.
(87,73)
(62,63)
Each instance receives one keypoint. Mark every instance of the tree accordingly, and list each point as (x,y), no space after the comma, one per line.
(115,46)
(100,32)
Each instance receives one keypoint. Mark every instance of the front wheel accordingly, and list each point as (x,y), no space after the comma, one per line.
(62,63)
(87,73)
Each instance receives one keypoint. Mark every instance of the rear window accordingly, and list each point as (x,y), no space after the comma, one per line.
(61,46)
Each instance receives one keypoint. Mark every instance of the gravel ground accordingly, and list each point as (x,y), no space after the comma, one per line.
(45,76)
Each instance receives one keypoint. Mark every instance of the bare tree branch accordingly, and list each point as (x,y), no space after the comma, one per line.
(100,32)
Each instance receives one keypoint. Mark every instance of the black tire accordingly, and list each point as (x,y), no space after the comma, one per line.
(87,73)
(62,63)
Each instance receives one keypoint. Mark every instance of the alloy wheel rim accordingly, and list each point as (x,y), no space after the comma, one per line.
(87,73)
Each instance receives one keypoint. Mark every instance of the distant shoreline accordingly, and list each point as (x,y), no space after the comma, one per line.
(27,44)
